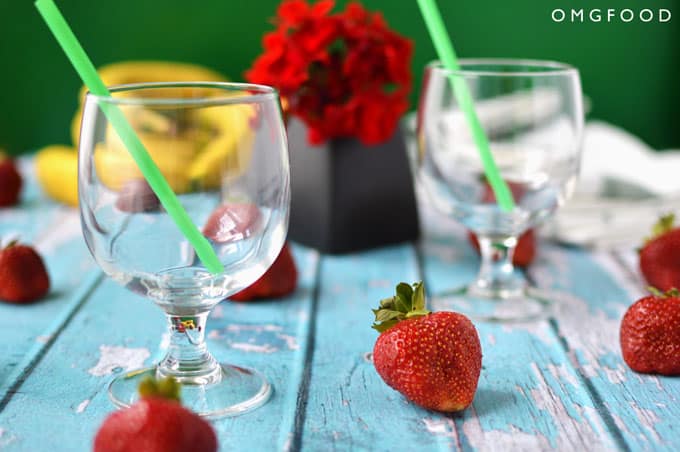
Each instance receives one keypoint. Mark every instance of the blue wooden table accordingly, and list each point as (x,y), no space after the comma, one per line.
(555,384)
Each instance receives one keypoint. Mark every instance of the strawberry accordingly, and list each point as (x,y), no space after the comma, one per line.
(660,255)
(526,245)
(156,423)
(650,334)
(433,359)
(231,222)
(524,252)
(10,182)
(516,188)
(23,276)
(137,196)
(279,280)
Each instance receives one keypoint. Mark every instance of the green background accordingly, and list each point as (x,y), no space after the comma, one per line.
(629,71)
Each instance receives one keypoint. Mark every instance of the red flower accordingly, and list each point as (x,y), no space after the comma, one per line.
(344,75)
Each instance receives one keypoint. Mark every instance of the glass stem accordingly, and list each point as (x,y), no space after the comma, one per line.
(188,359)
(497,278)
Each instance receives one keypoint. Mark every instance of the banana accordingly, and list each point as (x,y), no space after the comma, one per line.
(56,169)
(210,144)
(228,154)
(144,71)
(172,155)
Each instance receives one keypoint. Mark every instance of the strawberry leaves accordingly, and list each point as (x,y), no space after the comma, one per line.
(407,303)
(671,293)
(664,225)
(165,388)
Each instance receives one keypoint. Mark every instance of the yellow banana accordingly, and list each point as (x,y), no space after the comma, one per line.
(228,154)
(56,169)
(172,155)
(214,143)
(126,72)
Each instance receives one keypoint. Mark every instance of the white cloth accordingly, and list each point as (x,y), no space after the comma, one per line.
(623,188)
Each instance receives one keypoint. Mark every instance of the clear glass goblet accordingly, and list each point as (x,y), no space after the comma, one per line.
(532,114)
(222,149)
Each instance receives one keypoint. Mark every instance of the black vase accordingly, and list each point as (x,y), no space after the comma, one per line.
(346,196)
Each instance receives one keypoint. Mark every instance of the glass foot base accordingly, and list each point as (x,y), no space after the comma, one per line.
(239,391)
(529,304)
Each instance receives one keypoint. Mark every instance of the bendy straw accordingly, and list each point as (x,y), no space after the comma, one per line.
(87,72)
(447,55)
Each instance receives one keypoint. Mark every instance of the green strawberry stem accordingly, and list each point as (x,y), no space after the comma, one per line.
(664,225)
(407,303)
(165,388)
(671,293)
(10,244)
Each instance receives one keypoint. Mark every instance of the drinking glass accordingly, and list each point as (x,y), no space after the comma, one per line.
(222,149)
(532,114)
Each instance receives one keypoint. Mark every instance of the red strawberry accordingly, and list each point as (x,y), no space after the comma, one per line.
(156,424)
(10,182)
(524,252)
(516,189)
(660,255)
(231,222)
(279,280)
(433,359)
(137,196)
(650,334)
(23,276)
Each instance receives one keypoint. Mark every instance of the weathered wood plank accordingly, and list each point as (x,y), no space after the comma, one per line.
(55,231)
(643,407)
(116,329)
(349,407)
(529,396)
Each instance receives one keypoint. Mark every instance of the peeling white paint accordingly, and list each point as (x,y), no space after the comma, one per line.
(113,357)
(574,433)
(441,427)
(656,381)
(63,229)
(237,328)
(563,373)
(619,423)
(82,405)
(165,341)
(336,435)
(44,339)
(648,419)
(217,312)
(265,348)
(592,332)
(214,334)
(605,261)
(302,316)
(502,441)
(291,341)
(288,443)
(6,437)
(615,376)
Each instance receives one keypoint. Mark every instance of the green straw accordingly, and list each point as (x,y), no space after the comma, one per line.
(87,72)
(447,55)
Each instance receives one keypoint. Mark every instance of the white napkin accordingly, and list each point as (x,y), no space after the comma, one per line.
(624,186)
(612,155)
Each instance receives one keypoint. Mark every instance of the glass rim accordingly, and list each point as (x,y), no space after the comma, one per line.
(260,93)
(533,67)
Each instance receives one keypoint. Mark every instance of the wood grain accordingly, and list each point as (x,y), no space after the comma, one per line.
(558,384)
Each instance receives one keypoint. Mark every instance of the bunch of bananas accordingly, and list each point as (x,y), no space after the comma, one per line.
(190,151)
